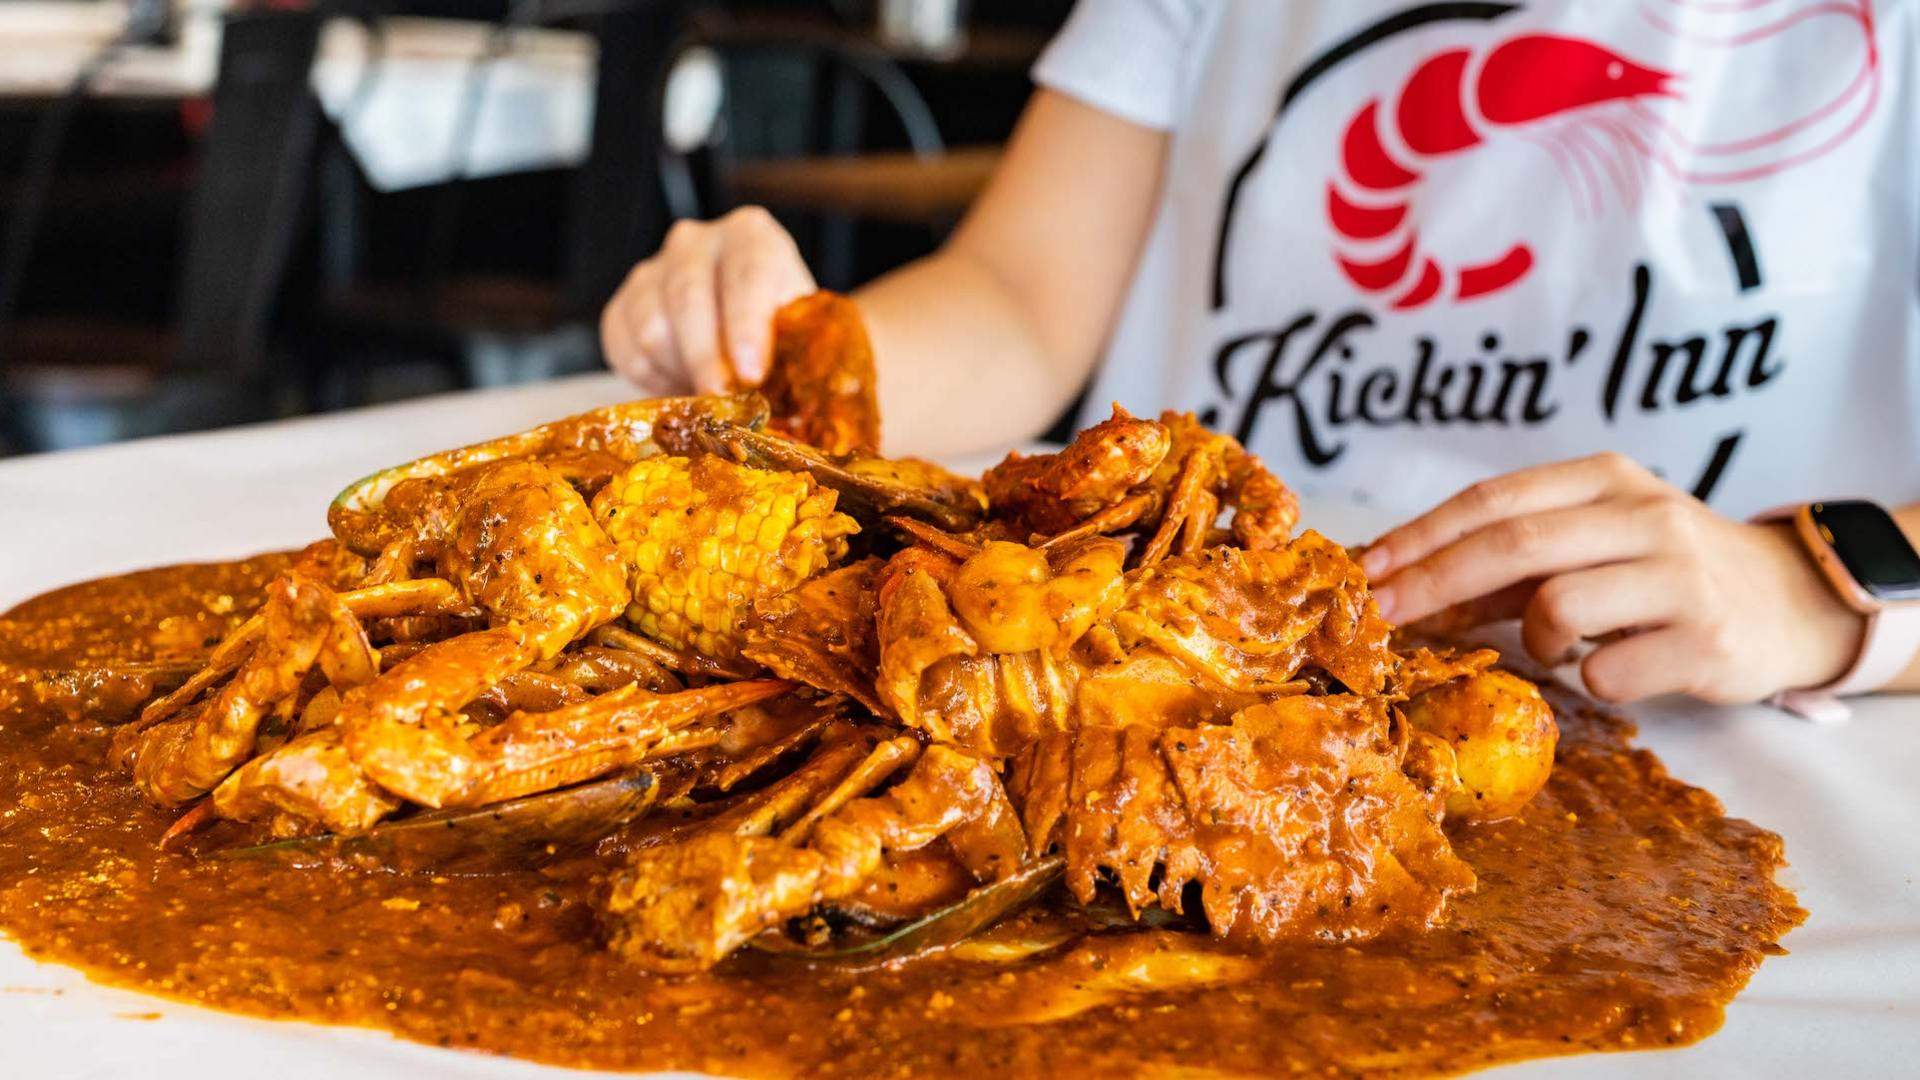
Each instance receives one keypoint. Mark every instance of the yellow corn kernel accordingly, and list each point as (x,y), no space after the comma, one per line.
(704,538)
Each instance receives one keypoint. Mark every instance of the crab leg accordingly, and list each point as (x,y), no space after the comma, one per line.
(1188,499)
(598,669)
(303,623)
(682,906)
(425,596)
(939,540)
(1199,527)
(783,802)
(885,759)
(687,663)
(1126,512)
(311,778)
(401,728)
(536,751)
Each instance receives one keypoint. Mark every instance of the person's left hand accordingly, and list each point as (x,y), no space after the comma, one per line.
(1680,599)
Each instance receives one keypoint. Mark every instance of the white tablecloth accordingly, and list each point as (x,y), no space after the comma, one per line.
(1846,1002)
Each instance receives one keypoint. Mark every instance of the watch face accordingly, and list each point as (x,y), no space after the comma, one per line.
(1872,546)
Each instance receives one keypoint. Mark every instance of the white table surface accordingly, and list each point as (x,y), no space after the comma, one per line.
(1846,1002)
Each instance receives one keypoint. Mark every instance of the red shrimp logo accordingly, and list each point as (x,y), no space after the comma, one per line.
(1443,110)
(1601,116)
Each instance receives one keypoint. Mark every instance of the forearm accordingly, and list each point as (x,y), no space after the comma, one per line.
(983,344)
(962,367)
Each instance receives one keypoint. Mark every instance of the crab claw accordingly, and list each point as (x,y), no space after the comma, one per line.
(433,763)
(870,487)
(591,445)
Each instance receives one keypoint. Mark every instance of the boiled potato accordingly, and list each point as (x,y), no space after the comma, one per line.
(1502,734)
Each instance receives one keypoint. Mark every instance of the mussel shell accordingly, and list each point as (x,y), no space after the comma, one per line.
(519,834)
(948,926)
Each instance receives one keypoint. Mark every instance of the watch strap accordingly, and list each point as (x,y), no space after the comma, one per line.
(1891,641)
(1814,706)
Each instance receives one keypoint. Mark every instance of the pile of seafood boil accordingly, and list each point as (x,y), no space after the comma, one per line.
(849,694)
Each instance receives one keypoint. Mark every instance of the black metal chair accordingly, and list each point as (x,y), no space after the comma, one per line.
(68,382)
(789,90)
(487,329)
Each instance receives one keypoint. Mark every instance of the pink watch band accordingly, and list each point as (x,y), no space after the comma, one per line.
(1893,638)
(1891,641)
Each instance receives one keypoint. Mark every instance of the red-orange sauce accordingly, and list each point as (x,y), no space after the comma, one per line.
(1621,910)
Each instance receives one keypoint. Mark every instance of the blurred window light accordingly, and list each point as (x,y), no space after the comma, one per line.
(690,105)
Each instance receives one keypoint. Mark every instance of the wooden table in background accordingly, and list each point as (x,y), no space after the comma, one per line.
(893,186)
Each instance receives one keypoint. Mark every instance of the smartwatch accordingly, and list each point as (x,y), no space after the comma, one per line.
(1873,568)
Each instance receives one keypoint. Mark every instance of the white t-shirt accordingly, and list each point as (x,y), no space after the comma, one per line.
(1404,246)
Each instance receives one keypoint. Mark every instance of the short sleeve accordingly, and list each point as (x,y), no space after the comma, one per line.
(1124,57)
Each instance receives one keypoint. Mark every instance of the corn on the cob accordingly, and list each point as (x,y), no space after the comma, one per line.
(704,538)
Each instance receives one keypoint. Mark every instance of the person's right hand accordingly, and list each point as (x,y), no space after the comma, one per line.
(698,315)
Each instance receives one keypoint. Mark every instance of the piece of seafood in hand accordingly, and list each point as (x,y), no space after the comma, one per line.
(822,386)
(1168,479)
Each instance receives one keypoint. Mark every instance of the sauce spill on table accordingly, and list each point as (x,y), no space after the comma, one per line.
(1621,910)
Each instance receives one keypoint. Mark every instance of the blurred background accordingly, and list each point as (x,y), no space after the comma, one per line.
(216,211)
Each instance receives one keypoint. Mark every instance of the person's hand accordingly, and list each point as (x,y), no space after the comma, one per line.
(1679,599)
(698,315)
